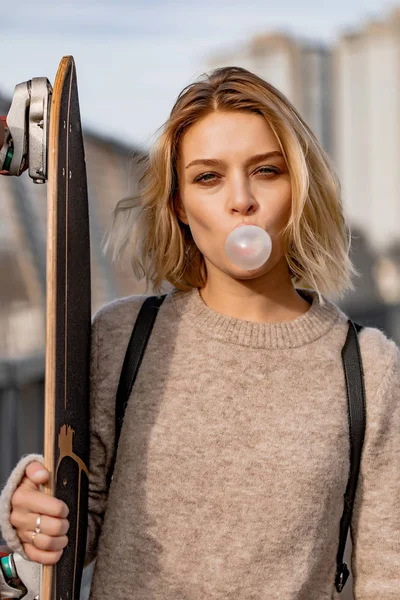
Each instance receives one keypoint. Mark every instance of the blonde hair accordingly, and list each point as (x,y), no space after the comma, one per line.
(161,247)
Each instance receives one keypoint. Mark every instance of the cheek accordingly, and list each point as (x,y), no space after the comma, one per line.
(205,225)
(279,210)
(201,214)
(286,212)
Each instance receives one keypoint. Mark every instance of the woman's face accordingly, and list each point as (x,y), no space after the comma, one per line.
(230,171)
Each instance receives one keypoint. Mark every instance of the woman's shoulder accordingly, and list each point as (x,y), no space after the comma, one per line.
(118,311)
(113,323)
(375,344)
(381,358)
(112,326)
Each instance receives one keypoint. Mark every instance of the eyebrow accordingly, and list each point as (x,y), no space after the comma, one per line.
(211,162)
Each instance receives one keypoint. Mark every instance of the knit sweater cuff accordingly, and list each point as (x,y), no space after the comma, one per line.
(8,532)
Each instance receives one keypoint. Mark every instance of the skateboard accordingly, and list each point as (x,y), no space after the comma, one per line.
(53,150)
(68,314)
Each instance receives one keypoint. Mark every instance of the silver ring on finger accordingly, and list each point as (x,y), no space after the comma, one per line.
(37,530)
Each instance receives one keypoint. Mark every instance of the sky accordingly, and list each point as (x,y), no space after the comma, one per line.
(133,57)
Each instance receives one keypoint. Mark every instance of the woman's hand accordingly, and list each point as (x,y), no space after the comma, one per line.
(28,503)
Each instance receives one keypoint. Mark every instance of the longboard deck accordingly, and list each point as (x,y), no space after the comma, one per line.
(68,314)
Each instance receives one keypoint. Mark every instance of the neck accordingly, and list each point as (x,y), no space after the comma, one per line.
(271,298)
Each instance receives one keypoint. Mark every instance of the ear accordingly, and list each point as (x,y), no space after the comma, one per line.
(180,211)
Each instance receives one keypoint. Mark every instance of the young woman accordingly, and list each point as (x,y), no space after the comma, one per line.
(234,454)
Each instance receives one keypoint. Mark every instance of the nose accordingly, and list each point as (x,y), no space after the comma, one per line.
(241,199)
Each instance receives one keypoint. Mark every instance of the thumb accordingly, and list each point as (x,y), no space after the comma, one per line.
(37,473)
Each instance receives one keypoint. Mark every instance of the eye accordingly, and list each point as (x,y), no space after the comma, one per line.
(206,178)
(268,171)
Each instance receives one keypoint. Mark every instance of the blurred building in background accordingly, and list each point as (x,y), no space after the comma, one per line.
(367,127)
(301,69)
(367,142)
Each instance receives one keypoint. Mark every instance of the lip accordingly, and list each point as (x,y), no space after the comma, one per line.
(242,224)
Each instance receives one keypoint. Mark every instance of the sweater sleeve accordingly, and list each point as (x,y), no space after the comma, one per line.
(375,528)
(99,442)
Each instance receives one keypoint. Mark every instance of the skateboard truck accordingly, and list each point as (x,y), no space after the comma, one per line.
(13,569)
(26,130)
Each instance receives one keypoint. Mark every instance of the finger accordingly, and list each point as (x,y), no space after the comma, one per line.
(39,503)
(24,521)
(45,542)
(40,556)
(37,473)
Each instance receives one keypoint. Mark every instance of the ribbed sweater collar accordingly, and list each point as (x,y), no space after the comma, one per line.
(310,326)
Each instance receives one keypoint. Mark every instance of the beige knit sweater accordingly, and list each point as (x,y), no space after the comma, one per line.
(234,458)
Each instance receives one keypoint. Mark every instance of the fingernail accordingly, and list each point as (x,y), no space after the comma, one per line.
(40,474)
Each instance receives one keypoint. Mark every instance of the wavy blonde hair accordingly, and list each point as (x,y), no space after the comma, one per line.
(161,247)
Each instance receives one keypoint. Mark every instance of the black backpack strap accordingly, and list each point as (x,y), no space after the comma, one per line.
(355,389)
(132,361)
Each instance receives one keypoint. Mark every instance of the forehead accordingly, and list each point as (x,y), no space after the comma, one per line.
(223,133)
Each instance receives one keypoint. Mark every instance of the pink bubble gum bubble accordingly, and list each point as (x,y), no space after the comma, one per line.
(248,247)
